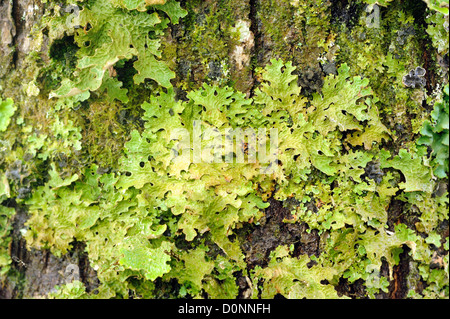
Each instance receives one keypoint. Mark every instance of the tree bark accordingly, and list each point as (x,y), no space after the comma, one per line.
(203,49)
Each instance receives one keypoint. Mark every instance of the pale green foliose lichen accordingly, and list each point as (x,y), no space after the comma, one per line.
(150,219)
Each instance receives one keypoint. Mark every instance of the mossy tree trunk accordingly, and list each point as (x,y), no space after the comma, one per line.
(226,43)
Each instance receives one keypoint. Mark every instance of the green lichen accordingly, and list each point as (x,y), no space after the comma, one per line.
(6,214)
(438,5)
(7,109)
(435,135)
(211,200)
(203,49)
(96,163)
(385,53)
(106,26)
(438,31)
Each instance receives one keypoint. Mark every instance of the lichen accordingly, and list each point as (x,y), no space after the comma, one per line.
(358,188)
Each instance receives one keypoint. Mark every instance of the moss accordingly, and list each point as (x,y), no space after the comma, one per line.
(202,43)
(386,54)
(62,54)
(202,46)
(299,31)
(353,198)
(106,126)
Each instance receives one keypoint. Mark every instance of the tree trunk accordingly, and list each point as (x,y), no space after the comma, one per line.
(317,36)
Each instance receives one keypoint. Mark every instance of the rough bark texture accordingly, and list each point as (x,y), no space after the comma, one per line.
(202,49)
